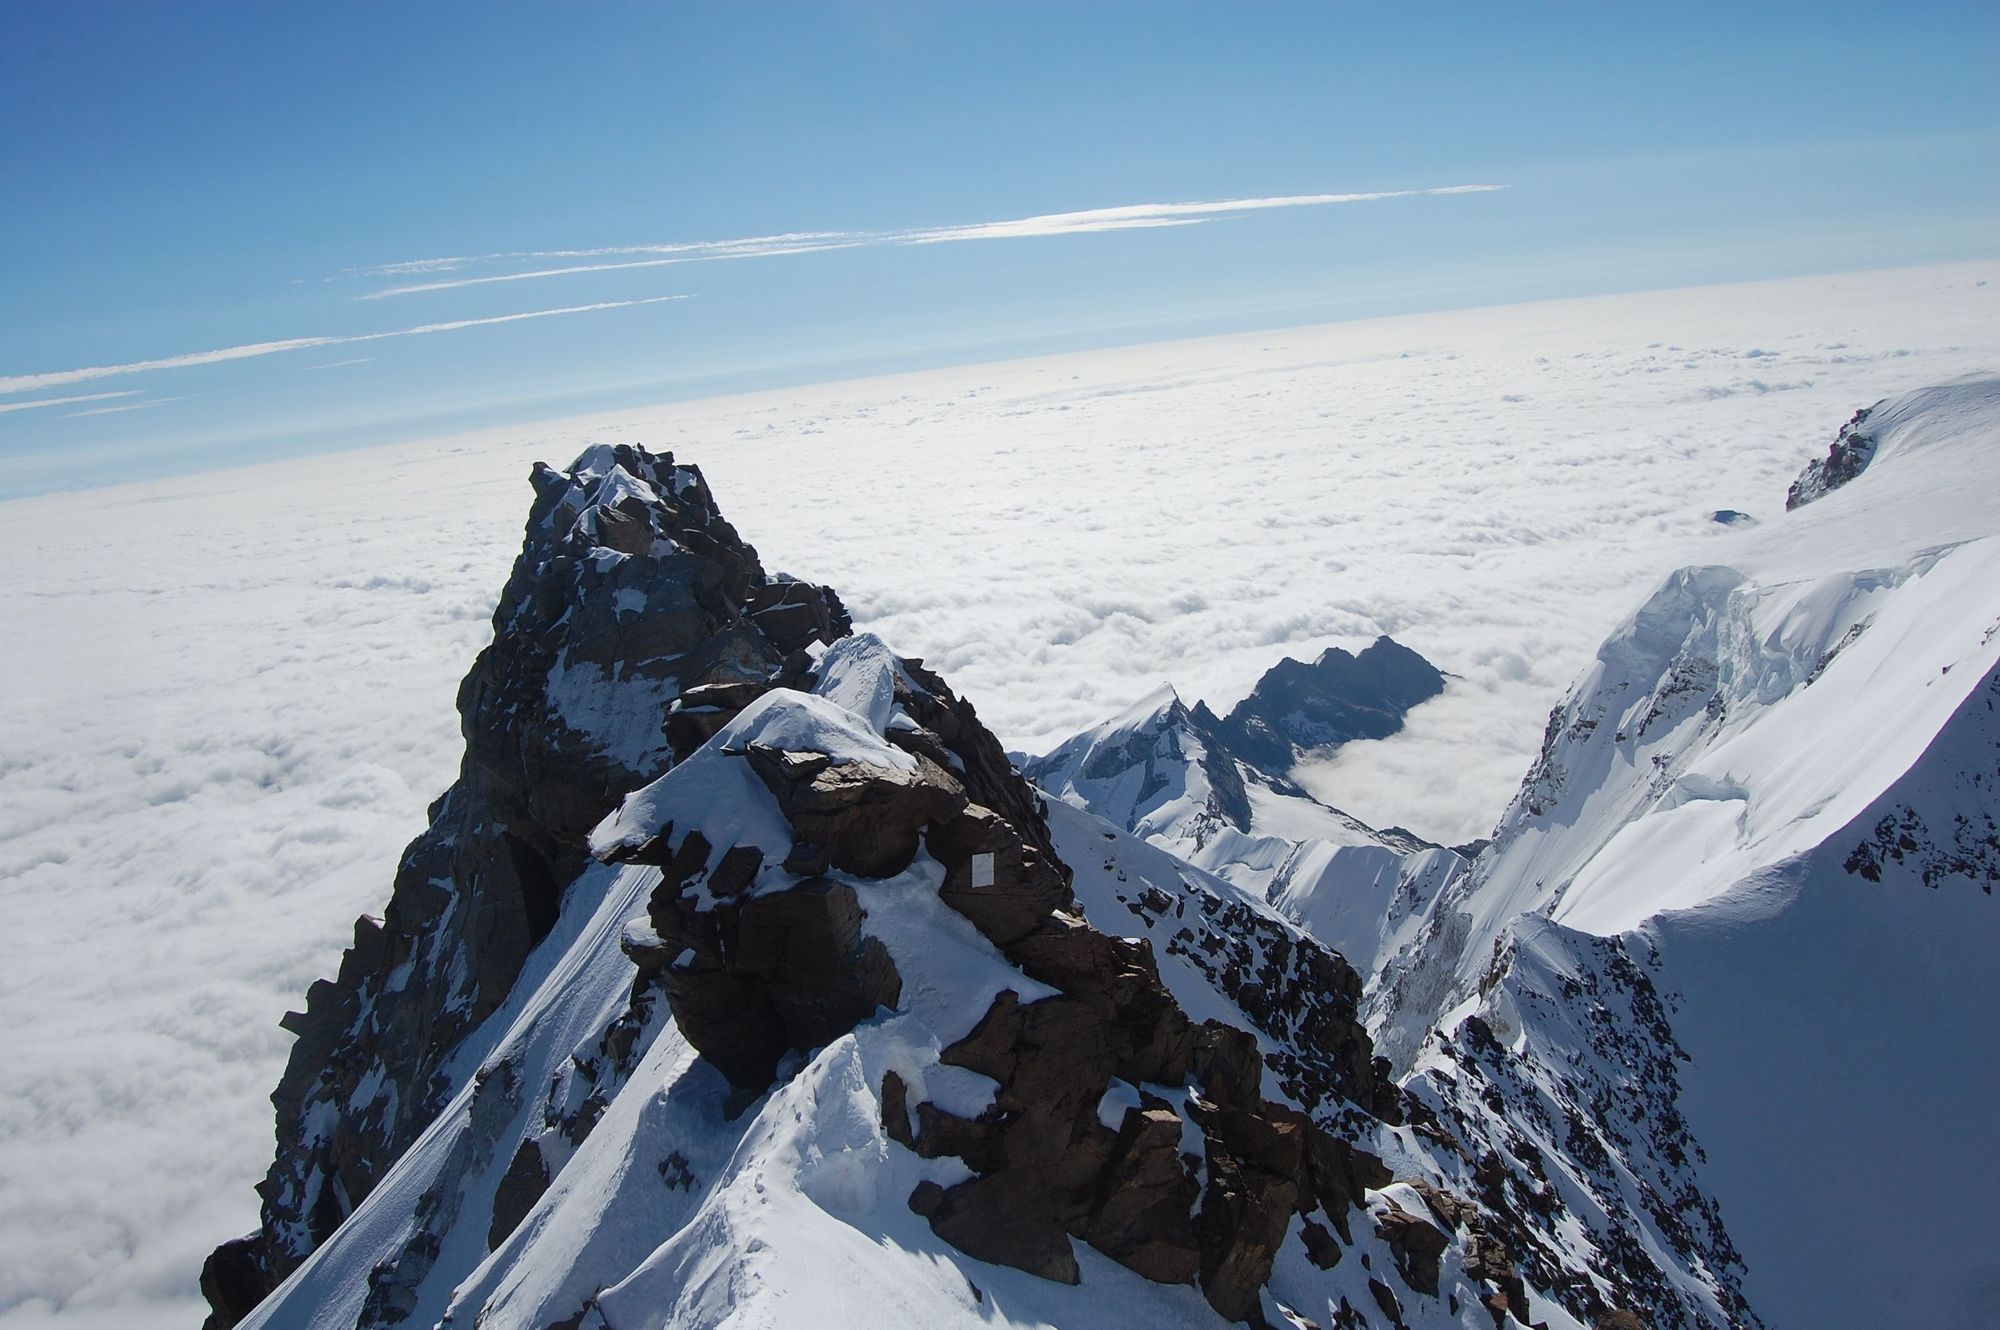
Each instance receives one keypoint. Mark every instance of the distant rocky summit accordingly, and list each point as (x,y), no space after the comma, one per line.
(1846,457)
(1218,793)
(1298,708)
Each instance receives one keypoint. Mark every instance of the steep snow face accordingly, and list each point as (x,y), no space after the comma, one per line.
(1364,901)
(1838,1013)
(1749,709)
(1778,781)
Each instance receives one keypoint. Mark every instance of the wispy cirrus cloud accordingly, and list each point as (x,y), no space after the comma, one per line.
(129,406)
(1128,217)
(21,383)
(718,248)
(725,249)
(64,401)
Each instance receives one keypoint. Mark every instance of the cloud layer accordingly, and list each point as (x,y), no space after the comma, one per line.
(1130,217)
(214,747)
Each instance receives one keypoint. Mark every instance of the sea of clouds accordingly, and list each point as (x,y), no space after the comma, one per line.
(230,696)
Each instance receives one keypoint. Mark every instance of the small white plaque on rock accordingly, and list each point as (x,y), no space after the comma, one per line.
(982,870)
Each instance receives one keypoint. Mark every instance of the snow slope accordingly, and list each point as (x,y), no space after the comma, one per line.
(1778,783)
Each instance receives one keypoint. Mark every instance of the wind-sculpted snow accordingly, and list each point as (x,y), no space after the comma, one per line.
(1774,793)
(230,696)
(1748,709)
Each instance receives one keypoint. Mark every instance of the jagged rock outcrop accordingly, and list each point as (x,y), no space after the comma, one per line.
(630,591)
(642,660)
(826,985)
(1846,457)
(1297,708)
(760,951)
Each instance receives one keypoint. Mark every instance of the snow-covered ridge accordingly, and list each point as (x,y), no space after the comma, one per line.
(834,997)
(1777,785)
(838,999)
(1749,709)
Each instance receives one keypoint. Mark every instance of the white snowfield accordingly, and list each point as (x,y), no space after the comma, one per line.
(228,697)
(1781,778)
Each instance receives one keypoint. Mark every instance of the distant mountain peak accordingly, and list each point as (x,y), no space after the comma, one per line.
(1297,708)
(1846,457)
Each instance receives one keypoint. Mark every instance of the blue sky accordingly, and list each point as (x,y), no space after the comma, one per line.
(186,179)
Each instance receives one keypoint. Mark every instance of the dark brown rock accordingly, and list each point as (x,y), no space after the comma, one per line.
(729,697)
(1386,1299)
(1248,1204)
(1228,1063)
(1449,1210)
(1121,980)
(982,766)
(990,1047)
(234,1279)
(754,977)
(925,1198)
(1008,1218)
(824,976)
(896,1111)
(1341,1175)
(526,1178)
(866,819)
(793,613)
(982,1145)
(1322,1249)
(806,859)
(737,870)
(1417,1244)
(1141,1214)
(1131,1195)
(994,876)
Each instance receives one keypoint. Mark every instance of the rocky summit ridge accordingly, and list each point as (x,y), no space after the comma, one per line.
(740,958)
(631,601)
(741,979)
